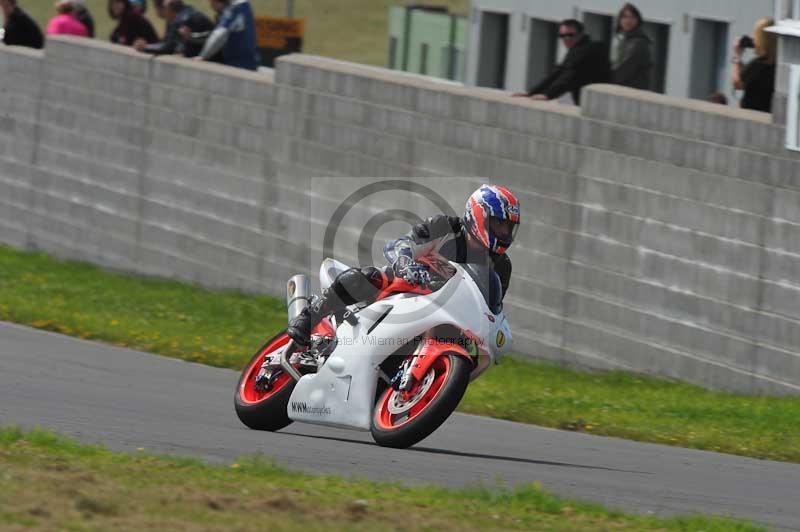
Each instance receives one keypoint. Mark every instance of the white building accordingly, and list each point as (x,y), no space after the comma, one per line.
(786,104)
(513,43)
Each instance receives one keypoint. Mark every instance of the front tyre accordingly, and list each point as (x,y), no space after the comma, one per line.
(401,419)
(264,409)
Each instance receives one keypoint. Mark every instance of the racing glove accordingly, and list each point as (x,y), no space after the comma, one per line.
(399,254)
(416,274)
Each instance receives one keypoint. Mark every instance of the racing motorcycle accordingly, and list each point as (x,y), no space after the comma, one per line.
(397,367)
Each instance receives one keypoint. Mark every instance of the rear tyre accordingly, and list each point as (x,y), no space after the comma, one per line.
(264,410)
(401,420)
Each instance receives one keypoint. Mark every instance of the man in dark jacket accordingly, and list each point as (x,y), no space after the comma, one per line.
(586,62)
(177,14)
(20,29)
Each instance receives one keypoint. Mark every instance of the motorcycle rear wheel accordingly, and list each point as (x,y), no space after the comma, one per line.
(439,394)
(264,410)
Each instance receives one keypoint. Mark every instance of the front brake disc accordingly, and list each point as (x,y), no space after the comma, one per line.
(397,405)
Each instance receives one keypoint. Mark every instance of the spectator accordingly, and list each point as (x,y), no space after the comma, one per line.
(84,17)
(178,15)
(234,36)
(757,78)
(139,6)
(19,29)
(718,97)
(197,40)
(633,60)
(64,23)
(586,62)
(202,27)
(131,25)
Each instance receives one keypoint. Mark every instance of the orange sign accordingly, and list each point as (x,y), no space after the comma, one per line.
(274,32)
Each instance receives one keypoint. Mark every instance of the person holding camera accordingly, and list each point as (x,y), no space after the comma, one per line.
(757,77)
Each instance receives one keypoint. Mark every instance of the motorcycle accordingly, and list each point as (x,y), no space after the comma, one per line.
(397,367)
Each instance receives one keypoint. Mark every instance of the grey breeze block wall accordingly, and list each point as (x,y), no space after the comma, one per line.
(660,235)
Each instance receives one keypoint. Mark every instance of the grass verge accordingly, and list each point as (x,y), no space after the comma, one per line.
(51,482)
(224,329)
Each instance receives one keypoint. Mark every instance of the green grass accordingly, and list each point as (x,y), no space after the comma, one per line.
(170,318)
(352,30)
(640,408)
(224,329)
(51,482)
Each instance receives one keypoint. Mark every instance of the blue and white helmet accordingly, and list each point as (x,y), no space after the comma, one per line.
(492,217)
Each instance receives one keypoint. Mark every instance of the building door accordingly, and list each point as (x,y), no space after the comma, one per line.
(659,34)
(492,53)
(709,50)
(542,48)
(599,28)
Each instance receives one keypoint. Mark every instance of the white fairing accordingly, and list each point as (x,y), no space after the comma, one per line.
(342,392)
(329,270)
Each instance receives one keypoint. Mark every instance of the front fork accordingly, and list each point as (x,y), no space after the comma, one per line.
(403,380)
(414,368)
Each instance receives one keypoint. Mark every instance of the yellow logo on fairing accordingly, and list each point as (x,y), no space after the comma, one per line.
(501,339)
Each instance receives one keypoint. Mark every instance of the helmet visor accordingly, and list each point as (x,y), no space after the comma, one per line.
(503,230)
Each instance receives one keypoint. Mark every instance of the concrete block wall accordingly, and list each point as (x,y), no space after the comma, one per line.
(146,165)
(659,232)
(660,235)
(19,107)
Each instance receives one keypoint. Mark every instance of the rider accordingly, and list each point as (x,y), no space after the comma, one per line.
(483,235)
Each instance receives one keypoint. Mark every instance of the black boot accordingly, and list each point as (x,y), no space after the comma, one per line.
(300,327)
(348,288)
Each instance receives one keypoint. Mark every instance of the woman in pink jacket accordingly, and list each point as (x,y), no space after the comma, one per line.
(64,23)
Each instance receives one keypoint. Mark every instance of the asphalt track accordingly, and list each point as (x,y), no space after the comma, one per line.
(127,400)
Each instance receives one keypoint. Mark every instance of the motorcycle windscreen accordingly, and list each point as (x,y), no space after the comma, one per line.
(489,284)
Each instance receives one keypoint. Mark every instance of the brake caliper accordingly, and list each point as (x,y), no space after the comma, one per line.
(402,381)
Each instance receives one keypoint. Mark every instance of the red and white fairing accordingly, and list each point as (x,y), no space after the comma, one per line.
(342,393)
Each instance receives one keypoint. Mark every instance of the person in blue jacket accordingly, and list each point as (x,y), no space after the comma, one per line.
(235,35)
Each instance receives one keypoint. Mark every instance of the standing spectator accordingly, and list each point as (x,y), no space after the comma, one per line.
(757,78)
(19,29)
(235,35)
(632,65)
(84,17)
(178,15)
(64,23)
(131,25)
(197,39)
(586,62)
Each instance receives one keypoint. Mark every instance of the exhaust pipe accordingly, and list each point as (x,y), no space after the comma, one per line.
(298,295)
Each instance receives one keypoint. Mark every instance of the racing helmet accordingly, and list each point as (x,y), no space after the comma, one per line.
(492,217)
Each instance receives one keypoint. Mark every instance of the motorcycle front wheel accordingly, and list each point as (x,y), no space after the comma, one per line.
(264,409)
(401,419)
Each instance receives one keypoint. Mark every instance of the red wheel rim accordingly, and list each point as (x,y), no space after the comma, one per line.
(388,421)
(247,391)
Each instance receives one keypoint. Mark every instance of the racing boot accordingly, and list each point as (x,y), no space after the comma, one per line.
(300,327)
(349,287)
